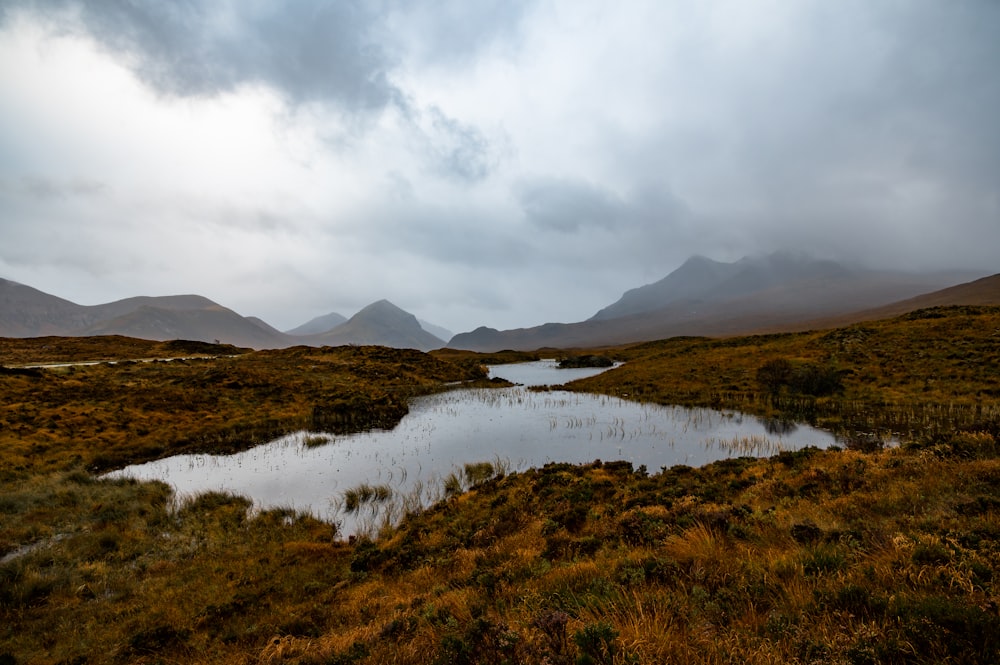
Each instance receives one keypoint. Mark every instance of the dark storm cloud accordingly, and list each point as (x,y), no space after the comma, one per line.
(310,51)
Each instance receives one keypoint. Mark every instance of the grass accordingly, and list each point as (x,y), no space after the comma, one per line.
(857,555)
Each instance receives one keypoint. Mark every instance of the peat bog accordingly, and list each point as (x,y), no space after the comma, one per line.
(855,554)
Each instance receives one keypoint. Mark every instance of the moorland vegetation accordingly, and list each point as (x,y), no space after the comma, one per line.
(862,554)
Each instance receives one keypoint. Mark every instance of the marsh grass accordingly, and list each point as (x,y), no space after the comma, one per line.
(364,494)
(315,440)
(844,556)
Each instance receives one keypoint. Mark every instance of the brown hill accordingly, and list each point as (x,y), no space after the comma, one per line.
(28,312)
(984,291)
(384,324)
(706,298)
(209,324)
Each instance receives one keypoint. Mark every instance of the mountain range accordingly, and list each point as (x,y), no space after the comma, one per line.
(778,292)
(28,312)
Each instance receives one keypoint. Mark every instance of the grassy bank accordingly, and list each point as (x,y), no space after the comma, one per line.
(931,371)
(107,415)
(840,556)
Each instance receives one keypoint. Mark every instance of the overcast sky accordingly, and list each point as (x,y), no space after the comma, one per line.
(485,162)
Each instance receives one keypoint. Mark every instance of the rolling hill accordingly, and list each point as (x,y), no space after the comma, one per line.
(28,312)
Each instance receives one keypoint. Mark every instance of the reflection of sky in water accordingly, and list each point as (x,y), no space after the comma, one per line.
(442,432)
(542,373)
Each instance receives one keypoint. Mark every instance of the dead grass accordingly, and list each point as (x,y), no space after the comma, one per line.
(840,556)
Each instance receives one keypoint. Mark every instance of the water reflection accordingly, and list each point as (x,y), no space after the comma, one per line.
(779,427)
(514,427)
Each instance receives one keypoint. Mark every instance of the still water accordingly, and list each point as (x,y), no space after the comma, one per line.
(513,427)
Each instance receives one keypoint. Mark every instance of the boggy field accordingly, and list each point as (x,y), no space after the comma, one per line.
(859,555)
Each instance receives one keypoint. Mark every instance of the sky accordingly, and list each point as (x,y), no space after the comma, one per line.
(491,162)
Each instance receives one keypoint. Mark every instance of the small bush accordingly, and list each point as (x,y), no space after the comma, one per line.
(801,378)
(597,643)
(478,473)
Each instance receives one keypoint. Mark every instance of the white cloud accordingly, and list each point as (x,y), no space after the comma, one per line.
(501,164)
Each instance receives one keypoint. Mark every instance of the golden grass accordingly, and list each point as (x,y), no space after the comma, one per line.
(840,556)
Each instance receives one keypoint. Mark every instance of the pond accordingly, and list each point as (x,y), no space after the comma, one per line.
(513,428)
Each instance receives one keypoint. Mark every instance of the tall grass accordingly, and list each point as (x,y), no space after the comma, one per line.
(842,556)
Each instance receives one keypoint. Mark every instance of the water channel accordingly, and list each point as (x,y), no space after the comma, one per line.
(513,427)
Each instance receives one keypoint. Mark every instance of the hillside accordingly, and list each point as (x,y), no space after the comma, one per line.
(701,280)
(381,323)
(984,291)
(211,323)
(704,297)
(318,325)
(28,312)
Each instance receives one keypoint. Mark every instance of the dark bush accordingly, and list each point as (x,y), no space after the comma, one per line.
(597,643)
(799,378)
(586,361)
(774,374)
(810,379)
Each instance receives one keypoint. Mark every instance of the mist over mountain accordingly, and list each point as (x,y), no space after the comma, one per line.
(701,279)
(776,292)
(779,291)
(437,331)
(318,325)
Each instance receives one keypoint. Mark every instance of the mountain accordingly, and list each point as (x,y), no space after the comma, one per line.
(384,324)
(208,324)
(980,292)
(319,325)
(28,312)
(703,280)
(437,331)
(704,297)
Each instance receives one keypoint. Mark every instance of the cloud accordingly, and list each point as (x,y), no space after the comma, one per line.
(500,163)
(450,33)
(310,51)
(459,150)
(568,206)
(40,187)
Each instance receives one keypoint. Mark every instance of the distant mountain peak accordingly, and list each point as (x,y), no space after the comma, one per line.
(385,324)
(318,325)
(382,305)
(700,279)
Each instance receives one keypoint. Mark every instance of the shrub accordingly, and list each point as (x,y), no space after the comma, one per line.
(597,643)
(774,374)
(801,378)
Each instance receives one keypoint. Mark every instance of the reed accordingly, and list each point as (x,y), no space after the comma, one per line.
(881,554)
